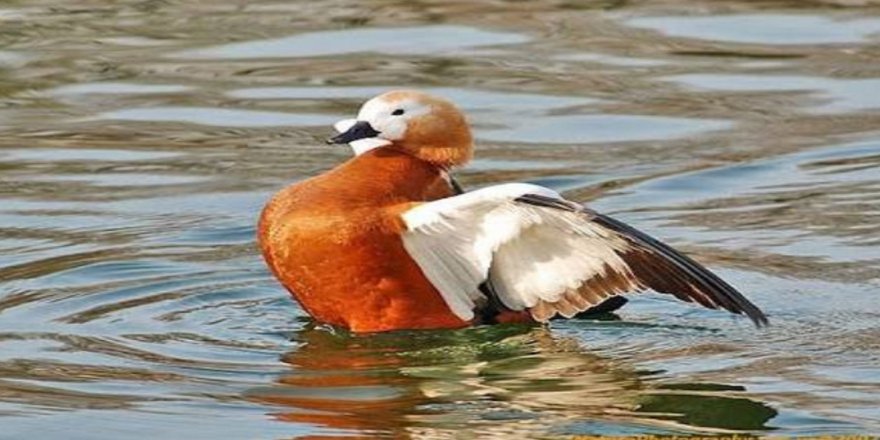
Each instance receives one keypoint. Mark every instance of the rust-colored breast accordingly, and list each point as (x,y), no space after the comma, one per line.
(334,242)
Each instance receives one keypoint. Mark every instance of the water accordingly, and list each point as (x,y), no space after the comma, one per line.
(138,141)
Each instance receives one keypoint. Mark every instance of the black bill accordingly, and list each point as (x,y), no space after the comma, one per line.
(360,130)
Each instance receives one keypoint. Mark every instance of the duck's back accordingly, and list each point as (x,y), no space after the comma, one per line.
(334,242)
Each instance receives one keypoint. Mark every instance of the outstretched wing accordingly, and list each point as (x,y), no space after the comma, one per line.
(547,255)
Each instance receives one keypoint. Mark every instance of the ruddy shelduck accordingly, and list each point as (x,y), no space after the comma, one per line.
(387,241)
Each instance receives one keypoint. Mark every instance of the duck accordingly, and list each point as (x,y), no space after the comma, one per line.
(389,241)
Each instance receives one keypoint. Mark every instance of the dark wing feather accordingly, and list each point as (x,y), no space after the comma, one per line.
(653,265)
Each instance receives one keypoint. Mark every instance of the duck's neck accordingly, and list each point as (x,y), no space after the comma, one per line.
(449,154)
(386,173)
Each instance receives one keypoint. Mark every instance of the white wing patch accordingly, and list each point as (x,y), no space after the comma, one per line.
(530,253)
(552,257)
(549,256)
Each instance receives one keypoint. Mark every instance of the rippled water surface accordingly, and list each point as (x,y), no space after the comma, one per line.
(139,139)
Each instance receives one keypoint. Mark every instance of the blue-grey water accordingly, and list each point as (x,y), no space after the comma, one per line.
(139,140)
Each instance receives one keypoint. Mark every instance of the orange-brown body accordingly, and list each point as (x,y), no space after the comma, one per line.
(334,242)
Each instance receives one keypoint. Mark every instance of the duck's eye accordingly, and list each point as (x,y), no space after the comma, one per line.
(397,112)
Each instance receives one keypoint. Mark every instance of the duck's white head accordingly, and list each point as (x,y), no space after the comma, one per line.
(427,127)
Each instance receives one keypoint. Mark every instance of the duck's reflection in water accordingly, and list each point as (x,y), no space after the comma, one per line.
(500,381)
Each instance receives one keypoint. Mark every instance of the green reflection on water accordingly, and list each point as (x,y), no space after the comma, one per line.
(488,380)
(711,411)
